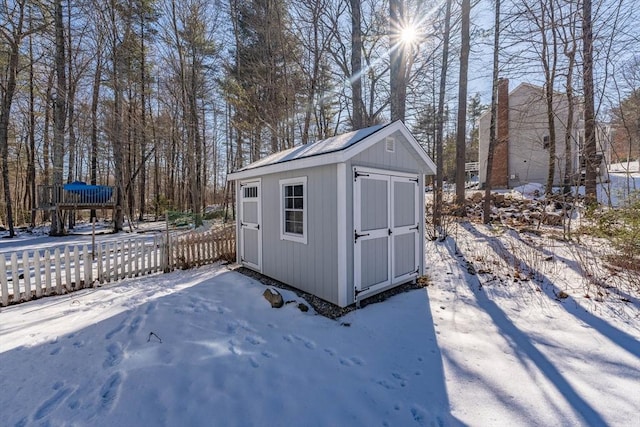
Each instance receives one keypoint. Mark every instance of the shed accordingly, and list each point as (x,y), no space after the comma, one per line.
(342,218)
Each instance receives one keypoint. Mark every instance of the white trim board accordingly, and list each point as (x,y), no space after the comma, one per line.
(343,236)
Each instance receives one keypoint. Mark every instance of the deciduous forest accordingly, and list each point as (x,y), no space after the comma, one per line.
(162,98)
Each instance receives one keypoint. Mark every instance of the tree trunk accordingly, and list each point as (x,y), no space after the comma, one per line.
(71,99)
(591,196)
(462,108)
(46,139)
(95,100)
(356,65)
(31,168)
(486,216)
(437,209)
(397,66)
(59,117)
(142,184)
(117,145)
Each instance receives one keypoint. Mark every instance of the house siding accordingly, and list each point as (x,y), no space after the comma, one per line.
(528,160)
(311,267)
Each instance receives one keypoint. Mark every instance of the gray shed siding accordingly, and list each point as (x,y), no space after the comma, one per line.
(403,159)
(311,267)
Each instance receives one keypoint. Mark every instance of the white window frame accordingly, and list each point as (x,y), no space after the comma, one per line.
(291,236)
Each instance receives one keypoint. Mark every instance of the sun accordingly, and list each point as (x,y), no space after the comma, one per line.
(408,35)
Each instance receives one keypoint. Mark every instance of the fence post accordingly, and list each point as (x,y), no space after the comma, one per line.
(58,272)
(131,249)
(4,288)
(107,259)
(26,273)
(36,273)
(47,271)
(88,265)
(100,271)
(93,238)
(76,266)
(67,268)
(15,277)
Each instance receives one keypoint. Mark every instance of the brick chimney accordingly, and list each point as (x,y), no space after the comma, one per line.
(500,171)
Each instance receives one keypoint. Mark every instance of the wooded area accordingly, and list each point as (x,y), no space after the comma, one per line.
(162,98)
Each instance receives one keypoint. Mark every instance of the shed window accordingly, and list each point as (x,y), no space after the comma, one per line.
(293,200)
(250,192)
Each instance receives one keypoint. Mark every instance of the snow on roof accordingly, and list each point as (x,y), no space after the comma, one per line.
(329,145)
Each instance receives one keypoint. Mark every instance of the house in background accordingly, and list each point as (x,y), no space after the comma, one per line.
(342,219)
(521,154)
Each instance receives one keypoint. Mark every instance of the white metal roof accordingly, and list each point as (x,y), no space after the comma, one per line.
(336,149)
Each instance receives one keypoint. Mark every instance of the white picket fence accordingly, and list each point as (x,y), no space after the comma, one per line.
(25,276)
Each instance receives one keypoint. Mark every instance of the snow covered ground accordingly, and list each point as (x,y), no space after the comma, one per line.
(489,342)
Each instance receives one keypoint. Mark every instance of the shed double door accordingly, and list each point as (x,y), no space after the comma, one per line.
(386,235)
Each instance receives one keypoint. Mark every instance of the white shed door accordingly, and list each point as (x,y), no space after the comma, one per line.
(386,235)
(250,218)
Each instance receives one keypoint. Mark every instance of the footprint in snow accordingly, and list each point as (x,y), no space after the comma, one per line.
(232,347)
(254,340)
(221,310)
(357,361)
(135,325)
(114,356)
(307,343)
(55,351)
(110,391)
(268,355)
(287,338)
(385,384)
(330,352)
(398,376)
(254,363)
(350,361)
(114,331)
(52,403)
(418,415)
(345,362)
(150,308)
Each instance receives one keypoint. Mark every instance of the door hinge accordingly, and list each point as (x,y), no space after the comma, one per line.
(389,232)
(357,236)
(414,180)
(414,228)
(356,174)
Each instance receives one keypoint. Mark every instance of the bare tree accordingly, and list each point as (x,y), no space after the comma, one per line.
(462,105)
(59,113)
(486,216)
(398,63)
(591,195)
(437,210)
(356,65)
(13,33)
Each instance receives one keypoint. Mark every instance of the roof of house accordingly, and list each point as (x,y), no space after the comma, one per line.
(331,150)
